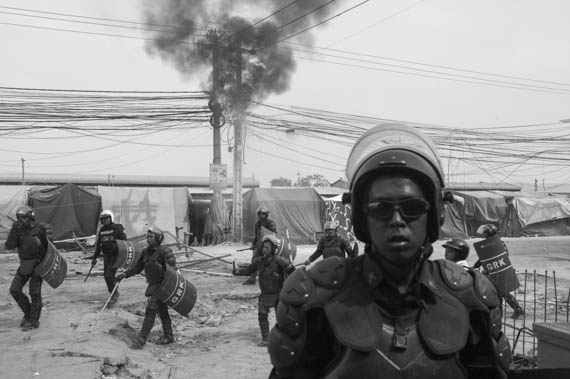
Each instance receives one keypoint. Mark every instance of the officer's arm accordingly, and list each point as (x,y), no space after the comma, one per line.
(286,264)
(169,257)
(247,271)
(318,252)
(346,246)
(271,226)
(137,268)
(487,354)
(120,232)
(13,237)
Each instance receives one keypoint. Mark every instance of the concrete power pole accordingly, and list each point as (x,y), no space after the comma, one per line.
(239,132)
(217,121)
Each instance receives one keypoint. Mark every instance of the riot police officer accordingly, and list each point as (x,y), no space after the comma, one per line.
(153,261)
(457,251)
(263,221)
(331,244)
(31,240)
(388,313)
(106,243)
(272,271)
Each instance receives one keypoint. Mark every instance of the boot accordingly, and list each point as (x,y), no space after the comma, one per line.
(264,327)
(24,305)
(139,342)
(114,299)
(34,319)
(168,336)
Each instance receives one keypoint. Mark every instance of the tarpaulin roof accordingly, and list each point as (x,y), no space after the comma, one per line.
(300,211)
(67,209)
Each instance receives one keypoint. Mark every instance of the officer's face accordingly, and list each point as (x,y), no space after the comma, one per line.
(330,232)
(262,215)
(151,239)
(397,236)
(267,248)
(105,220)
(450,254)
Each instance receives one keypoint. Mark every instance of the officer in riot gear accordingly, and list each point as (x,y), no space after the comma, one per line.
(31,240)
(263,221)
(457,251)
(331,244)
(387,313)
(272,271)
(153,261)
(488,231)
(106,243)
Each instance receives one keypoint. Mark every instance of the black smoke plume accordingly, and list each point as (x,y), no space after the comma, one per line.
(185,33)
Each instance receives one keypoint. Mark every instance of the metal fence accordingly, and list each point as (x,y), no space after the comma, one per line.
(543,298)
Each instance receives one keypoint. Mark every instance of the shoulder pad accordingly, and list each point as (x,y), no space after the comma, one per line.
(297,288)
(330,273)
(486,290)
(282,261)
(455,276)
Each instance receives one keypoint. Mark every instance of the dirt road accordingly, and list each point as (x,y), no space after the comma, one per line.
(218,340)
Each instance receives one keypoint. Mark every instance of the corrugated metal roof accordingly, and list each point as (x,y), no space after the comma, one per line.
(118,180)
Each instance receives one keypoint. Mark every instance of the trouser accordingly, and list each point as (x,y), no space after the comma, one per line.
(109,273)
(32,309)
(264,306)
(153,307)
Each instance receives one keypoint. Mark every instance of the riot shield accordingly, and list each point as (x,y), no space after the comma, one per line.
(176,292)
(53,268)
(495,261)
(129,253)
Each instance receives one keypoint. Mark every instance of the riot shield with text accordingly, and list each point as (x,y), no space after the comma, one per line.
(495,261)
(129,253)
(176,292)
(53,268)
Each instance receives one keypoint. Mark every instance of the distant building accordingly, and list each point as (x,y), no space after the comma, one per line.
(340,183)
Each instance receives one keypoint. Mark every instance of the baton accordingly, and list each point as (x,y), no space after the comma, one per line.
(245,248)
(104,306)
(89,273)
(203,261)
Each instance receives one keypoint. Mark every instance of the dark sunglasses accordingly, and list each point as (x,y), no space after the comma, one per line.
(408,208)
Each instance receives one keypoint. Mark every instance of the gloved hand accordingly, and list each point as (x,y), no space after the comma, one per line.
(93,261)
(307,262)
(17,225)
(120,277)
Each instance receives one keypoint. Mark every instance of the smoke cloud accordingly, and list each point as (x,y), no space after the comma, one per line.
(185,33)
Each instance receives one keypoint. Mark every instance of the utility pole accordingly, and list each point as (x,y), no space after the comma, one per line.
(23,174)
(239,132)
(217,121)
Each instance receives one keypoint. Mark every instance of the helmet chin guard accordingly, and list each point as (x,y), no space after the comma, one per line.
(395,148)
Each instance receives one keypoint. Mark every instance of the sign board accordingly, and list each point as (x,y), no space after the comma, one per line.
(218,176)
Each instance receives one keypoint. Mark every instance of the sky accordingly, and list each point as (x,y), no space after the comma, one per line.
(486,67)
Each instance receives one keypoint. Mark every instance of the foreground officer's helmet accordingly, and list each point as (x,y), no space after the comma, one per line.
(390,148)
(106,213)
(157,233)
(25,211)
(460,247)
(330,225)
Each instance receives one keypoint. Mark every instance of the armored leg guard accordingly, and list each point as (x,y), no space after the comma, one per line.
(264,327)
(21,299)
(168,336)
(34,319)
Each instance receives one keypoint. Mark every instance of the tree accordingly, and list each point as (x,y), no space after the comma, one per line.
(281,182)
(314,180)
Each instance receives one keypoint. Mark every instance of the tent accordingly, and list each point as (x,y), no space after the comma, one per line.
(137,208)
(340,213)
(67,208)
(298,211)
(11,197)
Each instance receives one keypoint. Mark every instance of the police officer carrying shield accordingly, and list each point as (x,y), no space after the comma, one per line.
(263,221)
(153,261)
(31,240)
(331,244)
(391,312)
(106,243)
(457,251)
